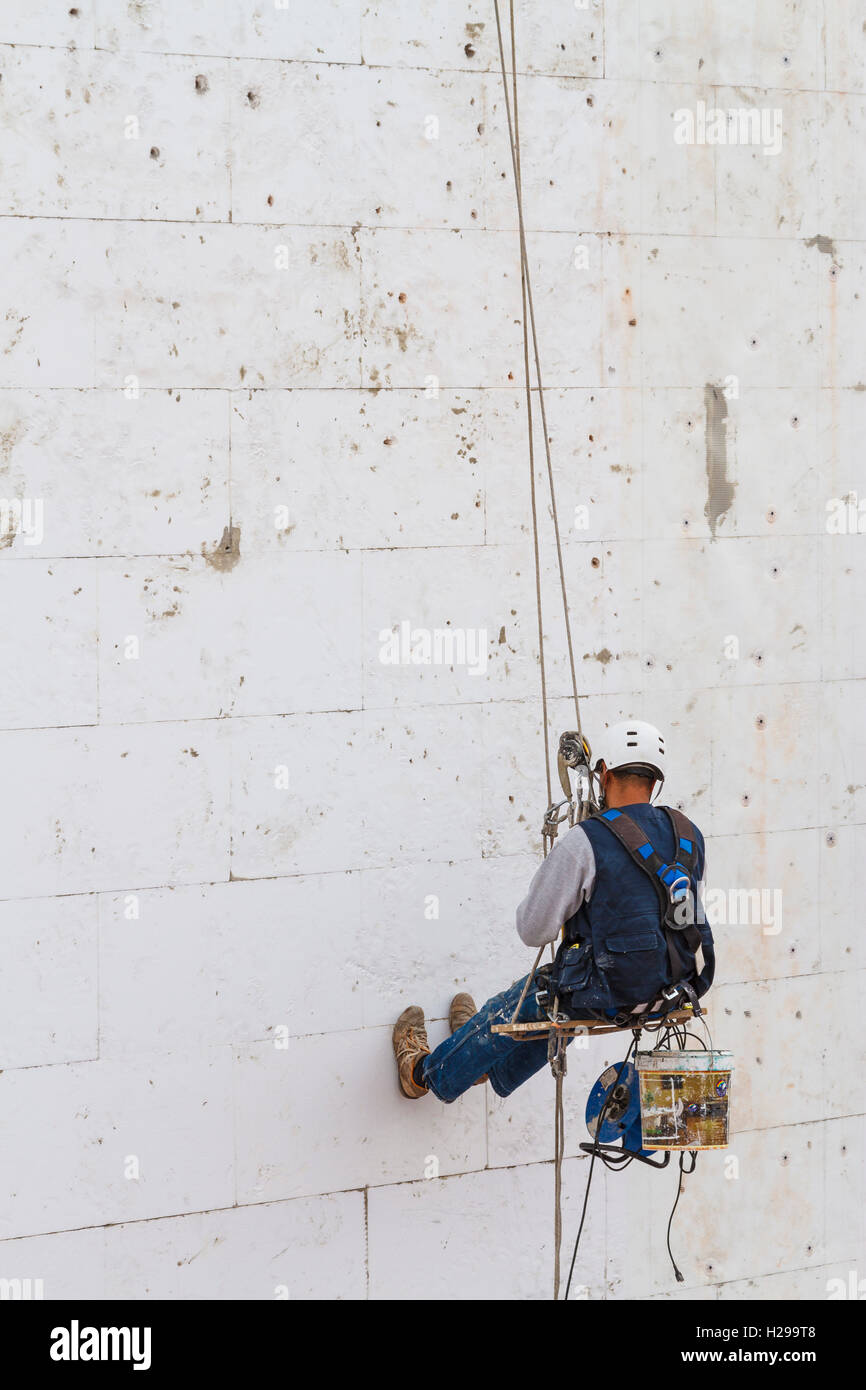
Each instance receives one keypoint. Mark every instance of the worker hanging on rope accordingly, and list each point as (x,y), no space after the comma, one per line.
(625,884)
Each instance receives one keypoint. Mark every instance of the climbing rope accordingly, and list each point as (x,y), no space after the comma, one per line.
(529,327)
(571,754)
(556,1055)
(556,1043)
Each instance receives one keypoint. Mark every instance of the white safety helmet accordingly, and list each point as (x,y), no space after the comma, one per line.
(633,744)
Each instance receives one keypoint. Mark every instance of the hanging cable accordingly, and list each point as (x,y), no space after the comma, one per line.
(680,1278)
(601,1118)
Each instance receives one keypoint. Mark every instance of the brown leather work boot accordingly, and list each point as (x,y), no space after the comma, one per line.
(410,1043)
(462,1009)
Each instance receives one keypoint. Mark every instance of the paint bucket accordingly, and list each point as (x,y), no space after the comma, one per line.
(684,1099)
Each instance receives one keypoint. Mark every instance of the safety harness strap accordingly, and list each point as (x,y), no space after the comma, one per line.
(672,882)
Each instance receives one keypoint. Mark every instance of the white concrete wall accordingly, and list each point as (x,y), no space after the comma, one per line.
(238,310)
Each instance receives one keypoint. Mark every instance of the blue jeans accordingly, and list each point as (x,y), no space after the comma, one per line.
(458,1062)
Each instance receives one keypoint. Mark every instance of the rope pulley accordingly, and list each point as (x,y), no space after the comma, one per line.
(573,757)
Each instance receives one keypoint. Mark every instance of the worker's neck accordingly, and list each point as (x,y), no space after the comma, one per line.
(615,799)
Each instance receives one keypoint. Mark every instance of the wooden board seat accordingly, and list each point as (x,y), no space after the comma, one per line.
(591,1026)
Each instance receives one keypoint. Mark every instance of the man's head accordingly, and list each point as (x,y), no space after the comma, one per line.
(631,760)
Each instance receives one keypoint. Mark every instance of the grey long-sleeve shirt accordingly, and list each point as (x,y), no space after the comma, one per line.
(562,882)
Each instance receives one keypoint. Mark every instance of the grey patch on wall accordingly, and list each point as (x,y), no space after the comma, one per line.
(825,245)
(720,489)
(226,554)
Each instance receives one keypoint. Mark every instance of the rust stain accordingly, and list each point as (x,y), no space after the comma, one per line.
(826,245)
(226,554)
(9,438)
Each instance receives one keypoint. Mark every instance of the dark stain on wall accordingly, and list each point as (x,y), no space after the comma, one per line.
(226,554)
(720,489)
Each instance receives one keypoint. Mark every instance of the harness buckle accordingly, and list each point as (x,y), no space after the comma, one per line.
(679,889)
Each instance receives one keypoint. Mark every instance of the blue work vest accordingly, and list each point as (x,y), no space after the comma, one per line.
(613,954)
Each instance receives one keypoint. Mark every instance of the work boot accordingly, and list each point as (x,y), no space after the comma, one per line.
(462,1009)
(410,1045)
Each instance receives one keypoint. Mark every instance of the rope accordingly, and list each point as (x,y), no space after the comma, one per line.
(556,1055)
(525,291)
(528,302)
(523,993)
(558,1067)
